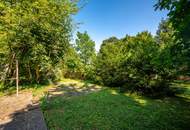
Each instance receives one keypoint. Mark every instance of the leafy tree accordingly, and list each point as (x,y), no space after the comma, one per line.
(109,60)
(36,33)
(166,39)
(135,63)
(165,33)
(85,47)
(72,64)
(179,16)
(139,65)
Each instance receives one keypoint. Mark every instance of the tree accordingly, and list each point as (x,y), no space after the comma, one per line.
(36,33)
(179,16)
(166,39)
(72,66)
(85,47)
(179,13)
(135,63)
(165,33)
(109,60)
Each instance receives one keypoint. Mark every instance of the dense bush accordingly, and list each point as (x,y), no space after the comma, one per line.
(135,63)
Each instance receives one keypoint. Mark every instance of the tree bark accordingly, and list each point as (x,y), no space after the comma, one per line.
(37,74)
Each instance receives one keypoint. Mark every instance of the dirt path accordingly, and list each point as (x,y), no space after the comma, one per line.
(20,113)
(72,88)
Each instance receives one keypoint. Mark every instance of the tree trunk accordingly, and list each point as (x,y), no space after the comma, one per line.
(37,74)
(29,73)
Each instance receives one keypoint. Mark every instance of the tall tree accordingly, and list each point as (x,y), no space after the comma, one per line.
(85,47)
(36,33)
(72,64)
(165,33)
(179,16)
(109,59)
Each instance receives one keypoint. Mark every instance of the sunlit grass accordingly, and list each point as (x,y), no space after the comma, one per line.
(183,89)
(78,84)
(37,91)
(9,91)
(110,110)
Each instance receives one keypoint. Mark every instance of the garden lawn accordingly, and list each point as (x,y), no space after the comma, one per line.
(109,110)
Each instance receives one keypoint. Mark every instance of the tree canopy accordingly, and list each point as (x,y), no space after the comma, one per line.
(36,33)
(179,16)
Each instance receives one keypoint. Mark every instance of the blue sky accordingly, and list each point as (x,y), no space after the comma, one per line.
(105,18)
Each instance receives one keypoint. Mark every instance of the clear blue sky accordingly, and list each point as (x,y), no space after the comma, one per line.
(105,18)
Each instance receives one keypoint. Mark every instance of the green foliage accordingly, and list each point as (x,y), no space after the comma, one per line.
(85,48)
(109,60)
(165,33)
(179,16)
(78,61)
(179,13)
(136,63)
(72,64)
(36,33)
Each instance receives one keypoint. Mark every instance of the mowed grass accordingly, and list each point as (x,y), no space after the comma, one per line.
(109,110)
(38,91)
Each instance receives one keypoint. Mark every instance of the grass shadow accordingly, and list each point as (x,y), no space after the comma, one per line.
(108,109)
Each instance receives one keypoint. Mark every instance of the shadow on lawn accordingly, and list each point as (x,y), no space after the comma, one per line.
(72,89)
(108,109)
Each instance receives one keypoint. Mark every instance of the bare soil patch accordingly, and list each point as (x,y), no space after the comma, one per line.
(20,113)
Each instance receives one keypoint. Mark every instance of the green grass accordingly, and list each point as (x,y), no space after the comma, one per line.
(9,91)
(182,88)
(35,89)
(110,110)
